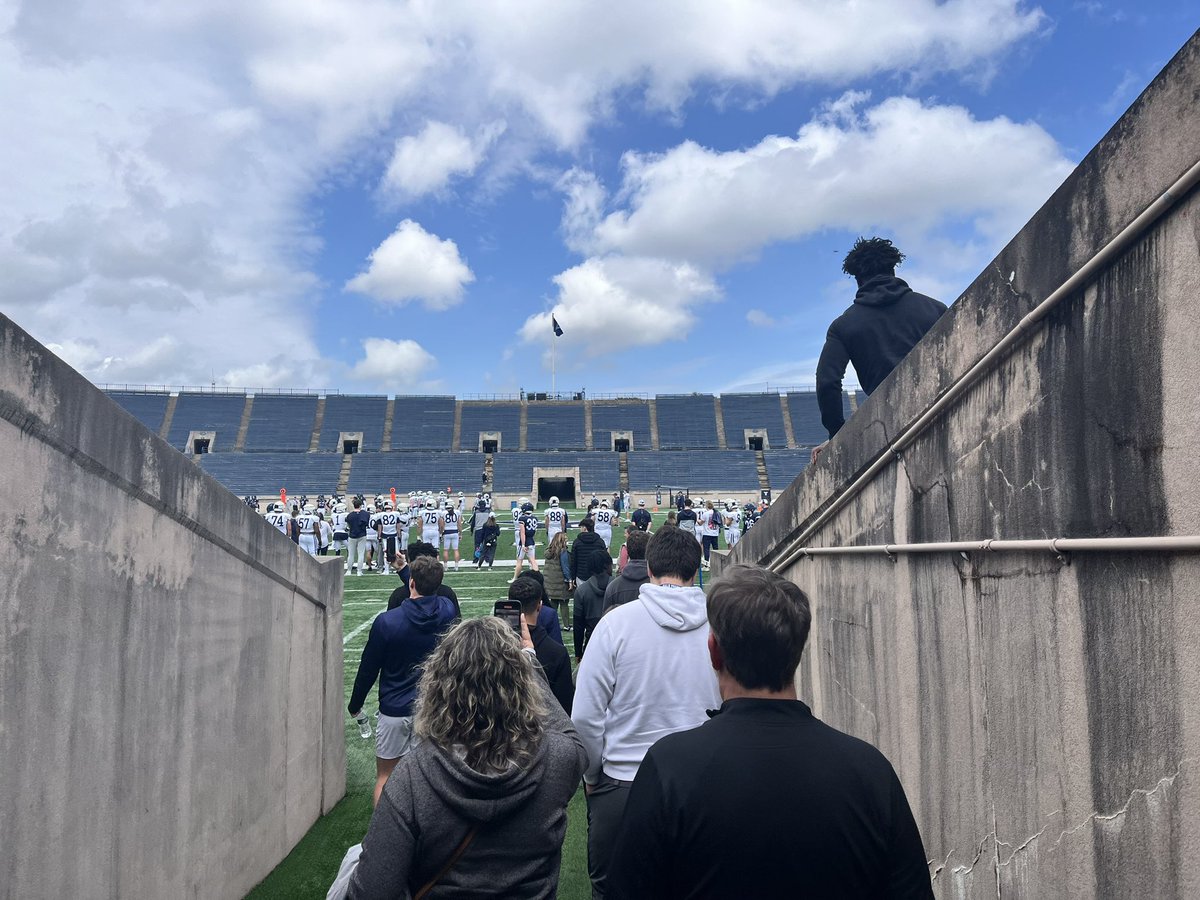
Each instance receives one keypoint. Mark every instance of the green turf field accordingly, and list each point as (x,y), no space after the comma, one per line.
(312,865)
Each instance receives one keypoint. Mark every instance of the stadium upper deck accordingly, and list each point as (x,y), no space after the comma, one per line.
(256,442)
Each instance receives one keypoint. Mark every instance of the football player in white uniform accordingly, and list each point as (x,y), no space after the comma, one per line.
(370,543)
(431,523)
(310,534)
(389,534)
(340,534)
(451,532)
(516,516)
(733,523)
(556,520)
(605,520)
(277,516)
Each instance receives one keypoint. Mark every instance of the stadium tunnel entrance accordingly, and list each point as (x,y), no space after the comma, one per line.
(561,487)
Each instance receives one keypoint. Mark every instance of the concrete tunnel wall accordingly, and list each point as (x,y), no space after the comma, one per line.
(1044,716)
(171,695)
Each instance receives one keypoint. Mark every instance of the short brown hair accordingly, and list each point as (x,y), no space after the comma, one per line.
(760,620)
(673,553)
(426,574)
(635,544)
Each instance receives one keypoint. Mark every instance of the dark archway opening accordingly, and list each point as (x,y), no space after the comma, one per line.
(756,442)
(562,488)
(200,445)
(621,445)
(490,446)
(349,446)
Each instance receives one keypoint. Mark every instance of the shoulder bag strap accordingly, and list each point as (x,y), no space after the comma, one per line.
(461,849)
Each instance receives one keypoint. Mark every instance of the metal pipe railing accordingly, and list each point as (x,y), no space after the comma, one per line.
(1083,276)
(1059,546)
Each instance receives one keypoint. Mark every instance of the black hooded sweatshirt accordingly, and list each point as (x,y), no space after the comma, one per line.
(885,322)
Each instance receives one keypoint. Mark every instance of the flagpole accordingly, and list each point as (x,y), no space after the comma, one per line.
(553,365)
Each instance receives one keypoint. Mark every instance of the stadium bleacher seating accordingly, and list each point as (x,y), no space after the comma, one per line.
(415,470)
(631,416)
(221,413)
(731,470)
(742,411)
(346,413)
(266,473)
(806,416)
(280,431)
(555,426)
(425,423)
(784,465)
(483,416)
(281,422)
(598,471)
(145,406)
(686,421)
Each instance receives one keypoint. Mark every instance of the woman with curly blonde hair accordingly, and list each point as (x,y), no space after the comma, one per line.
(479,807)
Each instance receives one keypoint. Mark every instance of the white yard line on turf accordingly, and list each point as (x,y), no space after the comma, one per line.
(359,630)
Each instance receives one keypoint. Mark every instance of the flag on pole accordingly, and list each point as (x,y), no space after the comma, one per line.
(557,328)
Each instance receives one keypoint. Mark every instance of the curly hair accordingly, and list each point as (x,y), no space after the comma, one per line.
(872,256)
(479,696)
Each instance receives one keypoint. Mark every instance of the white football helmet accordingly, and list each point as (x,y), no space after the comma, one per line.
(387,504)
(340,508)
(430,503)
(604,503)
(554,501)
(522,502)
(449,503)
(308,508)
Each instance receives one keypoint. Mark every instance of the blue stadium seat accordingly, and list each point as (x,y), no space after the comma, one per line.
(742,411)
(344,412)
(265,473)
(480,416)
(730,470)
(145,406)
(221,413)
(599,472)
(555,426)
(686,421)
(424,423)
(415,470)
(617,415)
(783,466)
(281,422)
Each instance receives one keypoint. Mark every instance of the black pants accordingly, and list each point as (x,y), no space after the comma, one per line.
(709,542)
(605,808)
(488,556)
(583,631)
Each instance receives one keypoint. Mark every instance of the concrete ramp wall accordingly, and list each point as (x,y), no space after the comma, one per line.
(1043,713)
(171,697)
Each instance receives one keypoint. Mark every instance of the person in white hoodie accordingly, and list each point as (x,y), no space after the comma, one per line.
(645,675)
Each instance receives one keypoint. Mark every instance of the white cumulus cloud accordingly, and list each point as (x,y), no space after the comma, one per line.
(394,365)
(425,162)
(622,301)
(901,164)
(412,264)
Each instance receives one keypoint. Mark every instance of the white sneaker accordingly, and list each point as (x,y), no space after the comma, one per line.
(359,574)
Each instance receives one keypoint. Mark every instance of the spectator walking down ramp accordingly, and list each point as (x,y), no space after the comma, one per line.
(765,800)
(479,807)
(645,675)
(884,323)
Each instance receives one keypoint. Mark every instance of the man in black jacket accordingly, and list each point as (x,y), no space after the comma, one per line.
(884,323)
(765,767)
(588,552)
(550,653)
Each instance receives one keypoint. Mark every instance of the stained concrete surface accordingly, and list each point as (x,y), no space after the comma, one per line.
(170,666)
(1043,714)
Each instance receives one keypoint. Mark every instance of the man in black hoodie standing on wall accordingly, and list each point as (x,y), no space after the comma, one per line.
(885,322)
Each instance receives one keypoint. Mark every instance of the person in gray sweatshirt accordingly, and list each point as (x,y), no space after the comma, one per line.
(495,788)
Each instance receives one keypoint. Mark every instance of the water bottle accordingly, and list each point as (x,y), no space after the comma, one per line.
(364,725)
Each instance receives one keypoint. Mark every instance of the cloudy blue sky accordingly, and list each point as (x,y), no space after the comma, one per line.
(393,197)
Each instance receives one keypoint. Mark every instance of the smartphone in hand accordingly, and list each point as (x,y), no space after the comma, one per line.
(509,611)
